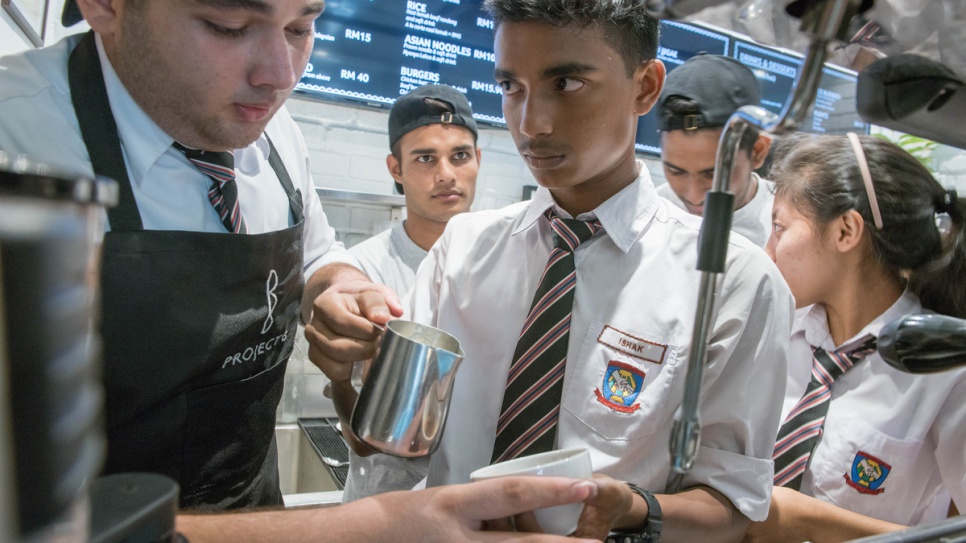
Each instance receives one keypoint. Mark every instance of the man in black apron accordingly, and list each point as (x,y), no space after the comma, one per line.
(174,405)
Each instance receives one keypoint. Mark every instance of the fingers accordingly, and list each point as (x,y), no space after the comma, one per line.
(600,514)
(381,303)
(340,333)
(507,496)
(527,522)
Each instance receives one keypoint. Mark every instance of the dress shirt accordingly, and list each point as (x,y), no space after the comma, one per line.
(37,119)
(905,431)
(634,307)
(390,258)
(752,220)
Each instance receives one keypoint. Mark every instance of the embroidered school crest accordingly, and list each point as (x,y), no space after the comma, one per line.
(868,474)
(622,384)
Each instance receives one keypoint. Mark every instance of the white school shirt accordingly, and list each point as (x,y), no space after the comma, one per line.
(752,220)
(37,119)
(635,301)
(894,444)
(390,258)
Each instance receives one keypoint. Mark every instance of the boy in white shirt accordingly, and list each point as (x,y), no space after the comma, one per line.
(575,80)
(698,98)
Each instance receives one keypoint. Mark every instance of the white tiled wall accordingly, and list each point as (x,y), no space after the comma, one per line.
(348,148)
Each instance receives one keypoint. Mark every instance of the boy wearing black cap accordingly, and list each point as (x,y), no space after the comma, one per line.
(434,161)
(698,98)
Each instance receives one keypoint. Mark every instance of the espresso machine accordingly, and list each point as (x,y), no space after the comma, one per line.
(51,437)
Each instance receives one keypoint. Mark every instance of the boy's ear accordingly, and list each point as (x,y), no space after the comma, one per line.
(759,152)
(649,78)
(395,169)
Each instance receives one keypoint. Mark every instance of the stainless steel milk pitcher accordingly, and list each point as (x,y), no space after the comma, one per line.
(403,404)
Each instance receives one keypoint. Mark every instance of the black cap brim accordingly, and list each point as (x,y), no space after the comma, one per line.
(71,14)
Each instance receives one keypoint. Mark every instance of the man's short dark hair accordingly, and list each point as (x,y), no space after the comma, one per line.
(680,107)
(627,26)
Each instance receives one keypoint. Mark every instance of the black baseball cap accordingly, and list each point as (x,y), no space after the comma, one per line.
(412,110)
(718,85)
(71,14)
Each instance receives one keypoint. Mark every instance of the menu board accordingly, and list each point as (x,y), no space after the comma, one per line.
(371,52)
(834,109)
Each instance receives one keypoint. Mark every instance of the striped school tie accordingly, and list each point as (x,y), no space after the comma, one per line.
(531,401)
(802,429)
(223,192)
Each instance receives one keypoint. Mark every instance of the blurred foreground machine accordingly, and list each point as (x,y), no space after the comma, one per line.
(51,439)
(906,92)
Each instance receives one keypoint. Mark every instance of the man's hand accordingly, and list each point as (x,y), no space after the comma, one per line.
(607,510)
(448,514)
(345,325)
(457,512)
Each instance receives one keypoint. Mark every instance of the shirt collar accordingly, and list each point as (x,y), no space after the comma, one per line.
(814,323)
(623,216)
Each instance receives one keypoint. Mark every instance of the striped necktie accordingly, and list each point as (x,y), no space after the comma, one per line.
(531,401)
(802,429)
(223,192)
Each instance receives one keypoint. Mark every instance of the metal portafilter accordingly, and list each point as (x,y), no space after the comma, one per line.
(924,343)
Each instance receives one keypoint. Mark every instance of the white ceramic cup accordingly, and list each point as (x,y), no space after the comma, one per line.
(559,520)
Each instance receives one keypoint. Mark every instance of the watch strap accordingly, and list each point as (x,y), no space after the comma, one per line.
(650,530)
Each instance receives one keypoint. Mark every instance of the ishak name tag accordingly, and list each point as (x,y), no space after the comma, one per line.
(632,346)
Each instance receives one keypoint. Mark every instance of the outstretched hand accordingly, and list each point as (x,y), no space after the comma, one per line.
(458,512)
(346,323)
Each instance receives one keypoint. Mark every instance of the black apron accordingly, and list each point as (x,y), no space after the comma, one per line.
(197,330)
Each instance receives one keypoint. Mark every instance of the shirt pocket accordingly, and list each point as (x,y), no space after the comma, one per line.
(620,384)
(860,468)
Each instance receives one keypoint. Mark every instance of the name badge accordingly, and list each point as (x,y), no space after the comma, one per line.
(632,346)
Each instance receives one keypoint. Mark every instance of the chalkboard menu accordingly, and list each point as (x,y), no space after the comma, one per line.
(370,52)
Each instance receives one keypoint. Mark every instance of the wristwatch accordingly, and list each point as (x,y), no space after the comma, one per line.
(650,530)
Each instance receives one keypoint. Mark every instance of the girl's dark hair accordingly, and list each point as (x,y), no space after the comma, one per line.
(820,176)
(627,25)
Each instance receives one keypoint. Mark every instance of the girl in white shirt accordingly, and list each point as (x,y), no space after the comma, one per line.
(864,235)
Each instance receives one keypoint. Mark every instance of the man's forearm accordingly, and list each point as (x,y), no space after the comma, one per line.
(294,526)
(700,514)
(322,279)
(827,523)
